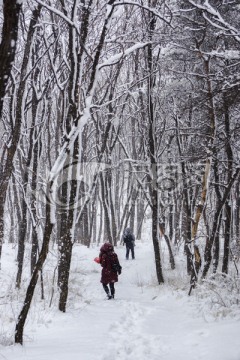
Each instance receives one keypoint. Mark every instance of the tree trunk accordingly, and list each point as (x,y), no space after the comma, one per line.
(11,11)
(141,210)
(171,222)
(109,190)
(64,269)
(216,250)
(106,210)
(186,209)
(209,244)
(226,249)
(186,220)
(12,16)
(171,257)
(152,151)
(177,219)
(23,224)
(155,237)
(35,225)
(31,287)
(100,230)
(237,214)
(228,209)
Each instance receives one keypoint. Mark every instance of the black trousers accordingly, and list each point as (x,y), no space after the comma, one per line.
(128,249)
(112,289)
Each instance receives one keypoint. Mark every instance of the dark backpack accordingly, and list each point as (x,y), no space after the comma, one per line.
(117,268)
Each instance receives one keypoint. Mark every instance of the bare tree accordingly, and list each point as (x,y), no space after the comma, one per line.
(11,11)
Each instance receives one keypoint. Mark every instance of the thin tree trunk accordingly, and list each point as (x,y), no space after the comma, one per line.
(209,244)
(112,209)
(171,257)
(101,223)
(177,209)
(23,224)
(216,244)
(187,226)
(34,250)
(141,210)
(237,214)
(228,209)
(125,212)
(216,250)
(155,232)
(64,268)
(106,210)
(152,151)
(171,222)
(226,249)
(31,287)
(11,11)
(186,209)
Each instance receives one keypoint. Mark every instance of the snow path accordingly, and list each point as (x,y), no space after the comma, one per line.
(144,322)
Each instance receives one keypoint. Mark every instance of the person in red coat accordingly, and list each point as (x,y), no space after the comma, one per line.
(110,269)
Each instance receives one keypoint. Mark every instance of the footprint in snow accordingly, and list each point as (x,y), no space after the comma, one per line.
(127,340)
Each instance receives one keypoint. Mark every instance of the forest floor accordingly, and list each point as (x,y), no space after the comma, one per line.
(145,321)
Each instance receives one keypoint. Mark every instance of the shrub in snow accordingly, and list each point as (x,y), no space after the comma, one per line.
(219,296)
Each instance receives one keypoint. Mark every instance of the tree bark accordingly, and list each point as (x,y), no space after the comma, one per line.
(31,287)
(152,152)
(228,208)
(209,244)
(11,11)
(12,14)
(171,257)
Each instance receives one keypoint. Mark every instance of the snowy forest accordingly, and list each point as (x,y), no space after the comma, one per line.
(119,113)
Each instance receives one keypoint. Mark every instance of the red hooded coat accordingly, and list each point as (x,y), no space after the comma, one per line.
(107,257)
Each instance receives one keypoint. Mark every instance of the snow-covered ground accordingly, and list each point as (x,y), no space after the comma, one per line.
(144,322)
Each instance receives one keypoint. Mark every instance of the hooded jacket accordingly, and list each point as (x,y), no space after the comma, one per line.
(107,258)
(128,238)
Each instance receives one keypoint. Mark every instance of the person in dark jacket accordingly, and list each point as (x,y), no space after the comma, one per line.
(109,260)
(129,240)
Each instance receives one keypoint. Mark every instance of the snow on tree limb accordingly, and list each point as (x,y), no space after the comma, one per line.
(115,58)
(148,8)
(86,114)
(57,12)
(218,19)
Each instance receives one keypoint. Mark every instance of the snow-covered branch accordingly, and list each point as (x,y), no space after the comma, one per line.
(148,8)
(57,12)
(115,58)
(217,18)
